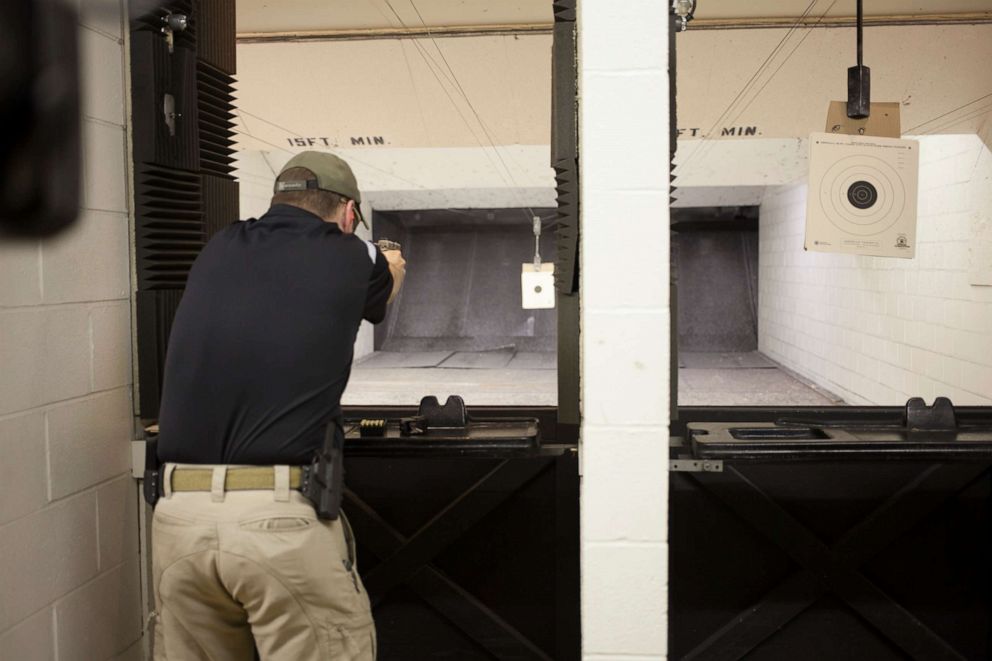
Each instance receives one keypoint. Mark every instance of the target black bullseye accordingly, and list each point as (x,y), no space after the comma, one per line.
(862,194)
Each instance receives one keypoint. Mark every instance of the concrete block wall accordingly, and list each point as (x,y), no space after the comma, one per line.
(875,330)
(623,144)
(69,579)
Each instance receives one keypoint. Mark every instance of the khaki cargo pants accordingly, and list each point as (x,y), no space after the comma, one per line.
(242,570)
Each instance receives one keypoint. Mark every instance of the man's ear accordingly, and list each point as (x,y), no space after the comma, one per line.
(349,217)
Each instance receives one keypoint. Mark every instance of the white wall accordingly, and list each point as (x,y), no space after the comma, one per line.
(420,178)
(68,507)
(875,330)
(623,143)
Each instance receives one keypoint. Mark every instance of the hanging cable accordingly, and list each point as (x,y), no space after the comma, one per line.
(537,243)
(975,114)
(950,112)
(782,64)
(435,68)
(707,137)
(731,116)
(461,90)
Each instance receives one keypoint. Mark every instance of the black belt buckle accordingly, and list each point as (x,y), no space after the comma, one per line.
(323,479)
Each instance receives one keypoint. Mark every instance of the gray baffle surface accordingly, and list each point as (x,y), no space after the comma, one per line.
(717,290)
(462,287)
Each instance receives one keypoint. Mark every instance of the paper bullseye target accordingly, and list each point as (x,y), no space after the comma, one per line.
(862,195)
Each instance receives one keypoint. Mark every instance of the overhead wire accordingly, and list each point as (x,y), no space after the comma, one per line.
(707,137)
(975,114)
(461,90)
(761,89)
(512,183)
(783,63)
(435,69)
(950,112)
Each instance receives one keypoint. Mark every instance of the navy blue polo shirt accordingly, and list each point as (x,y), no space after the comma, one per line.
(262,344)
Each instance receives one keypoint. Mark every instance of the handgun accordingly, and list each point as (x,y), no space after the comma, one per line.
(386,244)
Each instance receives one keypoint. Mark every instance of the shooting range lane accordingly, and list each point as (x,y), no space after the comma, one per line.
(715,255)
(457,326)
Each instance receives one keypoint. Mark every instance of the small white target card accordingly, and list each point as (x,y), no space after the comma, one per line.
(537,286)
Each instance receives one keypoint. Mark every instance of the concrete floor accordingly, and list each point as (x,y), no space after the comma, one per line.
(744,379)
(705,379)
(493,387)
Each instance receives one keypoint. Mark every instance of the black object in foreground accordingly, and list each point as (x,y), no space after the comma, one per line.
(39,108)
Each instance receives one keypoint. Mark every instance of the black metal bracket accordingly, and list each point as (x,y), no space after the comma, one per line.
(939,418)
(859,79)
(452,414)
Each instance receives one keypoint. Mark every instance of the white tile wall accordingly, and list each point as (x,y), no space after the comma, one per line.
(44,351)
(32,639)
(23,470)
(623,142)
(102,70)
(100,619)
(104,16)
(631,245)
(88,262)
(624,357)
(46,555)
(117,505)
(20,273)
(625,461)
(878,331)
(110,337)
(630,582)
(104,169)
(89,441)
(68,517)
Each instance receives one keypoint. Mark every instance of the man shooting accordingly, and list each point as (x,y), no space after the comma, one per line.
(259,355)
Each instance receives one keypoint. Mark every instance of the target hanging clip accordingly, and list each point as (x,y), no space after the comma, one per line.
(537,280)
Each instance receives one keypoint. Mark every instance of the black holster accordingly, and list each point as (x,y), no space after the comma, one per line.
(152,485)
(323,479)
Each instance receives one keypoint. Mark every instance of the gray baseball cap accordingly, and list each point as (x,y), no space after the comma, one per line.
(333,175)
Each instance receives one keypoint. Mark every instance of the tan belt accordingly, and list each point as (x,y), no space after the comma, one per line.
(249,478)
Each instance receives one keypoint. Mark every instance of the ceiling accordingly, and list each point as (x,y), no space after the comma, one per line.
(728,9)
(316,15)
(261,16)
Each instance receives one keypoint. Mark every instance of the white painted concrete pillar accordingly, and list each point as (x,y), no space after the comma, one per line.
(623,146)
(364,343)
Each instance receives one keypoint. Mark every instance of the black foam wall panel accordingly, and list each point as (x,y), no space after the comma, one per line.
(183,149)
